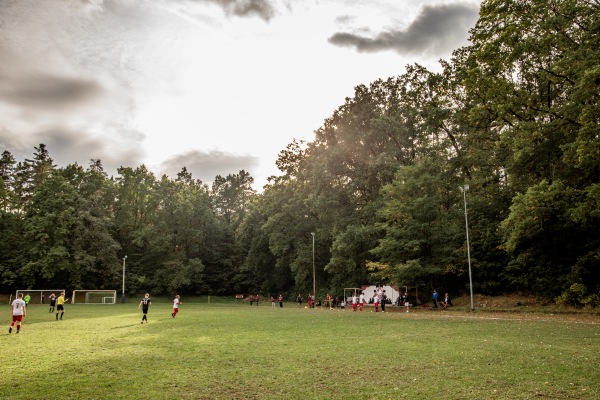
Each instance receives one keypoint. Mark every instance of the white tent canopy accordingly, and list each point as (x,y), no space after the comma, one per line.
(392,293)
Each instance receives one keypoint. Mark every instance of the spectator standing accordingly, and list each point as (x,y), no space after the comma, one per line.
(280,299)
(435,298)
(272,302)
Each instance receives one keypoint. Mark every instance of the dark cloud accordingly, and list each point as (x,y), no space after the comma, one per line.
(247,8)
(69,146)
(345,19)
(206,165)
(437,30)
(49,92)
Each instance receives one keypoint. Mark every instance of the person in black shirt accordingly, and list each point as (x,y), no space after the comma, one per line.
(145,304)
(52,302)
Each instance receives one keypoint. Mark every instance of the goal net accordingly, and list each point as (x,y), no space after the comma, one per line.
(94,297)
(39,296)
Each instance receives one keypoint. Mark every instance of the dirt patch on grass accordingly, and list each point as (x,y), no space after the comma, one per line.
(504,301)
(514,306)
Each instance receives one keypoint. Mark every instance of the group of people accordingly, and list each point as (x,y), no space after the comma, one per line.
(19,305)
(445,303)
(19,309)
(358,301)
(145,306)
(279,299)
(380,299)
(329,302)
(254,299)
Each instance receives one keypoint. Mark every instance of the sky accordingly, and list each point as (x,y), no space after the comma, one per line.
(215,86)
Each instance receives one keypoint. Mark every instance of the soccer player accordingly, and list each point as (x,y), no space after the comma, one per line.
(18,313)
(60,305)
(176,303)
(145,303)
(27,299)
(52,302)
(361,300)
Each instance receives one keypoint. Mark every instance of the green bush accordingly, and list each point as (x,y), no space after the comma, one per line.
(576,295)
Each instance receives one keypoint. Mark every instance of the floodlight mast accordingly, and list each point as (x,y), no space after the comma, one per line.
(123,291)
(313,262)
(464,189)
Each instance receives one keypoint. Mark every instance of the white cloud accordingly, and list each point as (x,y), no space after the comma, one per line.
(215,86)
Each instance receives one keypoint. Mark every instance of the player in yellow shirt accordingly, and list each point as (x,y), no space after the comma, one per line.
(60,305)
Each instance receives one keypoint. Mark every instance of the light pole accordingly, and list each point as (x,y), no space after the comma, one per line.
(314,275)
(123,292)
(464,189)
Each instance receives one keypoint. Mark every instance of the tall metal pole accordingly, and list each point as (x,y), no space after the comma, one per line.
(314,274)
(123,291)
(464,190)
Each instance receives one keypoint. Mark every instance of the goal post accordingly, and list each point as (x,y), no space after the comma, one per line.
(94,297)
(39,296)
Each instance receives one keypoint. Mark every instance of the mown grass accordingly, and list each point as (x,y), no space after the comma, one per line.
(234,351)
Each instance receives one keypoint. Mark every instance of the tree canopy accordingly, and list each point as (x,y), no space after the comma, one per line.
(514,115)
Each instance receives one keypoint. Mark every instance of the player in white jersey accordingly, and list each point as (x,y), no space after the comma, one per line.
(361,300)
(18,313)
(176,303)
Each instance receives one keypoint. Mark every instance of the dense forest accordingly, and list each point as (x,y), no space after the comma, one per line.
(514,116)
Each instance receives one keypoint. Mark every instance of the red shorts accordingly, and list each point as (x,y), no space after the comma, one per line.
(354,306)
(17,318)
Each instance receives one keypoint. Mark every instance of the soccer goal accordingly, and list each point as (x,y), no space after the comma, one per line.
(39,296)
(94,297)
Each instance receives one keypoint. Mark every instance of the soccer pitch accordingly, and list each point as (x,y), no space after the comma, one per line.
(230,351)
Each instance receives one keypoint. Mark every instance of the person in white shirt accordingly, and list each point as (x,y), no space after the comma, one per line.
(361,300)
(354,302)
(18,313)
(176,303)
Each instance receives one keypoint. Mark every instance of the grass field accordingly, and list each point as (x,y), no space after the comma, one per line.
(229,351)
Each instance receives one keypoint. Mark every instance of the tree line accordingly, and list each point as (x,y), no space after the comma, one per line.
(514,115)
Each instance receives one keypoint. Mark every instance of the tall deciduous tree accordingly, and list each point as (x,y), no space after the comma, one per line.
(531,66)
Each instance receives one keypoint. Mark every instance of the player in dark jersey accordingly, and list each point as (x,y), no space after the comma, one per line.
(52,302)
(145,304)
